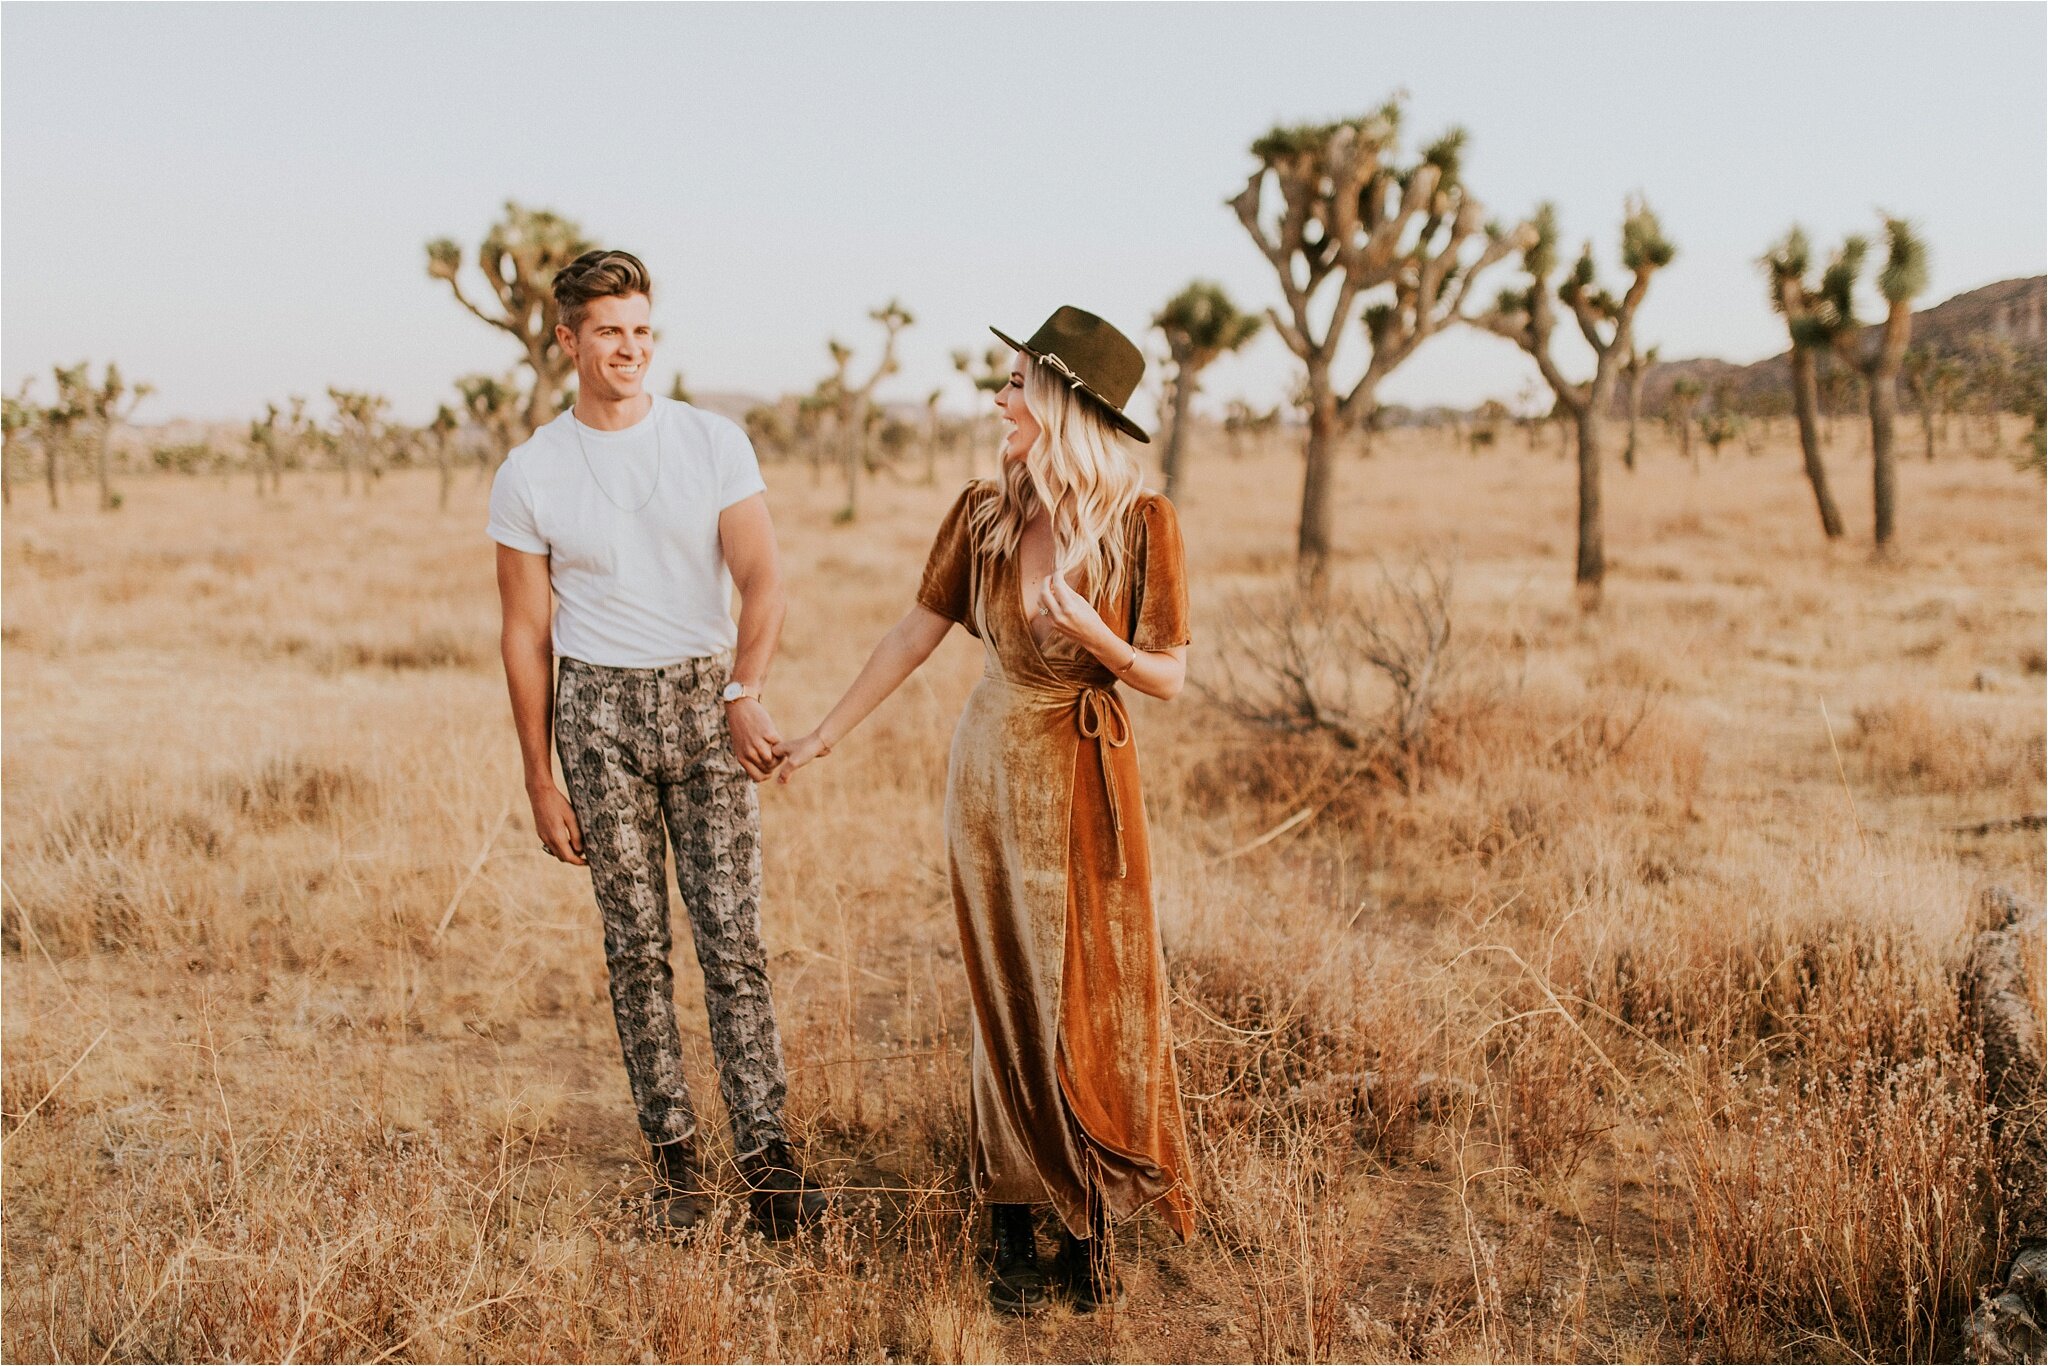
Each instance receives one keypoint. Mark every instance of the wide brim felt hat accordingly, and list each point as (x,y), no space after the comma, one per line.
(1091,356)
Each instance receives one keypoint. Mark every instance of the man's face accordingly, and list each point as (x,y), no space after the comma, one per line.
(612,347)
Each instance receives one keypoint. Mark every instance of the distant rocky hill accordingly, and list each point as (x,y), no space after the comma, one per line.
(2014,311)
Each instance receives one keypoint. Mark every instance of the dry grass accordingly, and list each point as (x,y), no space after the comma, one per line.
(1617,1020)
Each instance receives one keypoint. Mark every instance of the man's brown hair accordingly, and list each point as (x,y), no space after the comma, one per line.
(598,275)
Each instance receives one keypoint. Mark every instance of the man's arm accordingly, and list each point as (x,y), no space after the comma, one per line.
(746,537)
(524,601)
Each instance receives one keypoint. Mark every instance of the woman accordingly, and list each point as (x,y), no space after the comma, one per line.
(1071,576)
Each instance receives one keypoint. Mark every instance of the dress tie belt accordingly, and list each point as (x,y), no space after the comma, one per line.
(1100,716)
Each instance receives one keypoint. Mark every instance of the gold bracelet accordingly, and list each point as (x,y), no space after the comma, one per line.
(1130,664)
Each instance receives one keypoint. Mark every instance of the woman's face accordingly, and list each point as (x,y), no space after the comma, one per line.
(1020,428)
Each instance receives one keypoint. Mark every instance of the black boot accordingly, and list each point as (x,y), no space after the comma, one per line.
(1015,1285)
(782,1199)
(678,1201)
(1082,1270)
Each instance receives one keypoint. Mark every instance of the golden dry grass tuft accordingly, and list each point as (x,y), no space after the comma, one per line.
(1615,1017)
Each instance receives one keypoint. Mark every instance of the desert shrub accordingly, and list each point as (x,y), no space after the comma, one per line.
(1367,671)
(289,790)
(1915,743)
(1848,1208)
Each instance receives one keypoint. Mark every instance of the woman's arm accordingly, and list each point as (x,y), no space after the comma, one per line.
(908,644)
(1156,673)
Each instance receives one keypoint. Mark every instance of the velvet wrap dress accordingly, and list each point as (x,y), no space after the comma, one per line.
(1074,1098)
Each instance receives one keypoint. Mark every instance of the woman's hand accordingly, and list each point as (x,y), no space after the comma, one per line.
(794,756)
(1072,615)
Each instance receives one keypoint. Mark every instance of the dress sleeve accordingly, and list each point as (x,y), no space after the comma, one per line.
(948,584)
(1159,610)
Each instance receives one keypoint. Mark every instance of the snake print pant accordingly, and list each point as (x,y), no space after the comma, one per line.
(641,747)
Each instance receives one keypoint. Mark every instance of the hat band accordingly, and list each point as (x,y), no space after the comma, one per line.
(1052,358)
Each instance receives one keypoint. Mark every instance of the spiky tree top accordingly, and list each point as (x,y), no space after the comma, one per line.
(1201,323)
(1349,215)
(109,401)
(519,258)
(18,411)
(986,375)
(1604,319)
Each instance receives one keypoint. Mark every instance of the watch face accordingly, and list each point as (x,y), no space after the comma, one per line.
(734,692)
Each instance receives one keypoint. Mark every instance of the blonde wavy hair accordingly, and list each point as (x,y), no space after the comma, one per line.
(1079,470)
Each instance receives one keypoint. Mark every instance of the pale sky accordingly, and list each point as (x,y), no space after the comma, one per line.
(232,200)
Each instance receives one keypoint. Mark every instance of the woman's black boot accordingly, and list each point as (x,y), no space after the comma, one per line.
(1083,1273)
(1015,1285)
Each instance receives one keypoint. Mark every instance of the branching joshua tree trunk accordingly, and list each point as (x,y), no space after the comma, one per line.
(1809,322)
(854,404)
(440,435)
(1200,324)
(106,405)
(359,430)
(57,429)
(1346,222)
(1633,370)
(492,405)
(1933,380)
(519,257)
(1525,317)
(988,374)
(19,414)
(1679,409)
(1903,277)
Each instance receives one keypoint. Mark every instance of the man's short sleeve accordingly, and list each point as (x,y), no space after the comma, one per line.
(512,518)
(739,473)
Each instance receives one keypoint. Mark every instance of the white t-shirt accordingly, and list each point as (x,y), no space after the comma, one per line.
(629,523)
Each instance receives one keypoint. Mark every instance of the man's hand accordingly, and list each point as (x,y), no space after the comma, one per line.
(555,823)
(795,756)
(754,737)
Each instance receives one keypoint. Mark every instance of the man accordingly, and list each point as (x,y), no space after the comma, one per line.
(639,515)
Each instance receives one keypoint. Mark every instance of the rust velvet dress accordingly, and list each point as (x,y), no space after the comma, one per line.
(1073,1077)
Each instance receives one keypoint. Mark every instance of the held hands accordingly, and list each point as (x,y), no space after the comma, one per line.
(795,756)
(755,740)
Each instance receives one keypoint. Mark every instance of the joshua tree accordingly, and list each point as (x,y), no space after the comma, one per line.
(1241,420)
(1200,324)
(18,413)
(1525,317)
(1349,222)
(276,438)
(988,373)
(932,433)
(106,405)
(1633,370)
(853,404)
(677,390)
(1935,382)
(519,257)
(440,434)
(1717,429)
(1812,328)
(1678,411)
(359,433)
(1904,275)
(1996,380)
(492,404)
(57,426)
